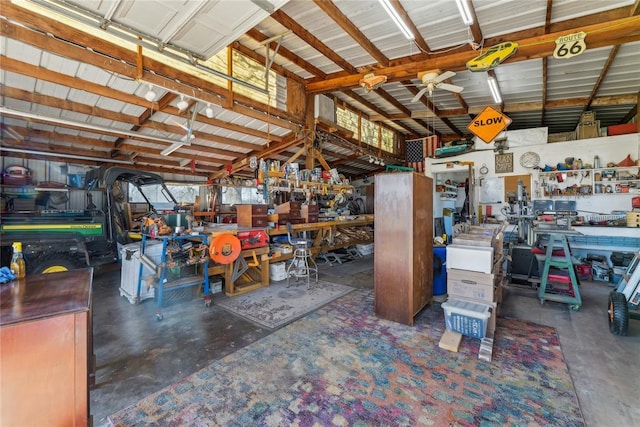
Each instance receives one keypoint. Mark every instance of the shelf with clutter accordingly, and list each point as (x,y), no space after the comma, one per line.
(574,178)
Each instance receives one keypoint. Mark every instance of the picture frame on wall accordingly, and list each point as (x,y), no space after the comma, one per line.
(504,163)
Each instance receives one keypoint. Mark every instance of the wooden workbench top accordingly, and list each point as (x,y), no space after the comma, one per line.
(361,220)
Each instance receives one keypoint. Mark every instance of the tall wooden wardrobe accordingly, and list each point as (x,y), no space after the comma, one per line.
(403,256)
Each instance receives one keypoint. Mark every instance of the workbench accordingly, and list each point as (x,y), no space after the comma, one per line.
(256,274)
(324,232)
(254,277)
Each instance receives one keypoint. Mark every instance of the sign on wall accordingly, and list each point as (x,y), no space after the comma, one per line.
(504,163)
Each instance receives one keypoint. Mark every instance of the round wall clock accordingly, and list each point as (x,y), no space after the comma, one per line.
(529,159)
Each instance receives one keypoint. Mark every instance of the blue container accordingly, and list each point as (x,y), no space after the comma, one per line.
(439,270)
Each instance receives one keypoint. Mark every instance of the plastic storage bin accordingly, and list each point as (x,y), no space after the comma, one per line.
(277,271)
(468,318)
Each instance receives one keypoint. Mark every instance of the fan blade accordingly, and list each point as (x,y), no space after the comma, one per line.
(419,94)
(444,76)
(450,88)
(181,125)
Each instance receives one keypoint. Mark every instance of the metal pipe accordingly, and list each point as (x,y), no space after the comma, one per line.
(60,121)
(66,156)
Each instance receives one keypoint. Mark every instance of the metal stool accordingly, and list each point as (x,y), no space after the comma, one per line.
(302,264)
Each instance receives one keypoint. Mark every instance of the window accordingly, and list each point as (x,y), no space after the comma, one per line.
(348,119)
(241,196)
(247,70)
(184,193)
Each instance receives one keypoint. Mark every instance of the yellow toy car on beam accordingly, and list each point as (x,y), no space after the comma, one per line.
(493,57)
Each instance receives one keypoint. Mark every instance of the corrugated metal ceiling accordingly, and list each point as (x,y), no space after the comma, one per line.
(64,87)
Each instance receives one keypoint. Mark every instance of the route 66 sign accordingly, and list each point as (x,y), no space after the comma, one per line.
(570,45)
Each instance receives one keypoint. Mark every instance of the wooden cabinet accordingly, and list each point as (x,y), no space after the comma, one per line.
(45,349)
(403,256)
(252,215)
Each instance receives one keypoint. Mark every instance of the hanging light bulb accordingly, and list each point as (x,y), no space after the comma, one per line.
(209,111)
(150,95)
(182,104)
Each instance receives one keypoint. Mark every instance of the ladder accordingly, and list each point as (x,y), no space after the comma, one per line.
(551,286)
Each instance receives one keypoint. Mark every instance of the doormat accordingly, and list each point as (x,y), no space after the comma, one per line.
(277,304)
(341,365)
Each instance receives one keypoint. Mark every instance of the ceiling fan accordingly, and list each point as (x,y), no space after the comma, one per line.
(433,79)
(186,139)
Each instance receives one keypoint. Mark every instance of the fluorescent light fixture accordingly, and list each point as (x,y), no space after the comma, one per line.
(209,111)
(170,149)
(465,12)
(495,90)
(150,95)
(397,19)
(182,104)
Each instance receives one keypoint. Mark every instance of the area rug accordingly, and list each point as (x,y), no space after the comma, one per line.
(279,304)
(343,366)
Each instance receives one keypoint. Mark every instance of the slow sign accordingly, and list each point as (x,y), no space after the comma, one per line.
(488,124)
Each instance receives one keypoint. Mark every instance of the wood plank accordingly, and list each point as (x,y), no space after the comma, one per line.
(450,340)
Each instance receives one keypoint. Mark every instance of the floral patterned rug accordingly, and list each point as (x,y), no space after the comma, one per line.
(342,366)
(277,304)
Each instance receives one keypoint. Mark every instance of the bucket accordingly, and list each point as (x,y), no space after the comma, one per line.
(439,270)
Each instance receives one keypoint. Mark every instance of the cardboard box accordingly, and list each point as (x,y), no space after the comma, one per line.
(472,258)
(588,117)
(472,285)
(309,213)
(622,129)
(288,206)
(469,239)
(586,131)
(215,287)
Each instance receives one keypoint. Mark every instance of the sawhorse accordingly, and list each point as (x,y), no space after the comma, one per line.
(551,291)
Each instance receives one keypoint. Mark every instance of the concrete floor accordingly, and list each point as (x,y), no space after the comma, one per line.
(137,355)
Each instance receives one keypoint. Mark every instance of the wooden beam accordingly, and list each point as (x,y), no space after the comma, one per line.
(249,53)
(63,104)
(322,161)
(339,18)
(600,35)
(288,22)
(103,55)
(287,54)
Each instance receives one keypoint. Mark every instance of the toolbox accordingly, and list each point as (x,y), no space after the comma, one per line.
(251,239)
